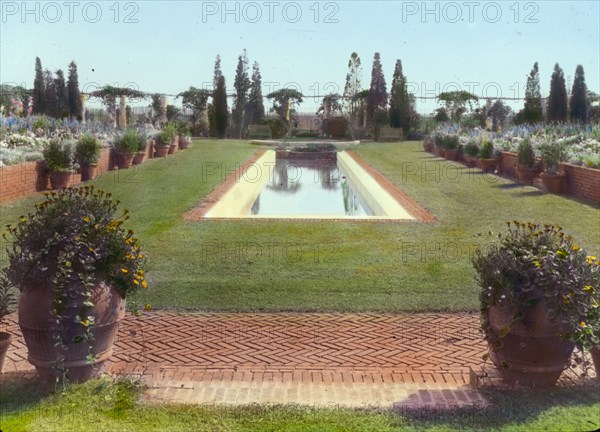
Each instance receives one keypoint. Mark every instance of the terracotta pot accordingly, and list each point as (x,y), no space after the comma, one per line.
(35,320)
(554,183)
(59,180)
(487,165)
(525,174)
(533,352)
(160,150)
(125,160)
(470,161)
(183,142)
(427,146)
(172,148)
(5,340)
(595,351)
(438,151)
(138,158)
(88,172)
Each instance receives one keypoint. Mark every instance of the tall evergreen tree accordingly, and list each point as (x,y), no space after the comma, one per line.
(579,102)
(220,108)
(212,116)
(241,85)
(39,90)
(557,101)
(75,104)
(62,94)
(378,96)
(351,89)
(51,96)
(532,112)
(255,111)
(400,106)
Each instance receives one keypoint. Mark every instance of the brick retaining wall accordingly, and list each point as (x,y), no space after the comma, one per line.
(27,178)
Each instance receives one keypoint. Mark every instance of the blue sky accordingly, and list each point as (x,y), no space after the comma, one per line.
(157,46)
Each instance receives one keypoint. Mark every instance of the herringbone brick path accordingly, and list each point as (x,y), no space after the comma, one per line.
(292,357)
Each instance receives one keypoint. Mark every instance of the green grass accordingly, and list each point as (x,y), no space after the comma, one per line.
(105,405)
(324,266)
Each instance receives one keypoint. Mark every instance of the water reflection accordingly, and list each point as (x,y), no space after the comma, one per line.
(311,187)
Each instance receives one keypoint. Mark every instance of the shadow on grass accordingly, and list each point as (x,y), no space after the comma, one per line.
(20,393)
(519,407)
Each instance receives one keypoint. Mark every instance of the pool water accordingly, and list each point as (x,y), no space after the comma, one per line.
(308,187)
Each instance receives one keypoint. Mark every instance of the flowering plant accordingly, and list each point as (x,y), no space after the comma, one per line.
(73,235)
(536,263)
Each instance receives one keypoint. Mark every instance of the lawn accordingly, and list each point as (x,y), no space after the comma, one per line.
(106,405)
(253,265)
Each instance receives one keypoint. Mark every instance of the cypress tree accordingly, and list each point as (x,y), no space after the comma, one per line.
(220,108)
(241,85)
(51,96)
(255,111)
(378,96)
(400,107)
(39,89)
(532,112)
(579,103)
(75,104)
(351,89)
(62,94)
(557,101)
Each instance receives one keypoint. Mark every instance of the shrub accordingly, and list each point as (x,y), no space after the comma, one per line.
(278,127)
(553,153)
(450,142)
(87,150)
(487,150)
(58,155)
(471,149)
(526,153)
(128,141)
(165,137)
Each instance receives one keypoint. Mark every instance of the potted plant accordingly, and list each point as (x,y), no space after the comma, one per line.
(142,146)
(450,144)
(553,153)
(428,145)
(526,169)
(87,154)
(163,141)
(471,152)
(172,130)
(539,294)
(7,302)
(126,145)
(59,161)
(185,137)
(74,264)
(487,161)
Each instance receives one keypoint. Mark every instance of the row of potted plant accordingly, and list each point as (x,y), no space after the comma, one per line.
(171,138)
(546,165)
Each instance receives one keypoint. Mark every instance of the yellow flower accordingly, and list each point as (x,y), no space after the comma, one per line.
(135,281)
(576,248)
(537,264)
(124,270)
(144,284)
(590,259)
(566,299)
(86,218)
(561,253)
(68,263)
(148,307)
(589,289)
(91,249)
(582,324)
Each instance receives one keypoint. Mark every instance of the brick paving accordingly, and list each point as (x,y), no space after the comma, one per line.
(365,359)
